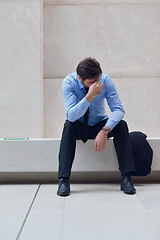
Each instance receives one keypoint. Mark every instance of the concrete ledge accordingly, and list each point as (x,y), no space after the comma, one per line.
(77,177)
(35,160)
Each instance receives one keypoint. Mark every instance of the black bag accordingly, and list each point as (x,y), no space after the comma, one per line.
(142,153)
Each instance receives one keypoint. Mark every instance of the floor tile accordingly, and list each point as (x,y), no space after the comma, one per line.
(45,219)
(149,195)
(155,215)
(92,211)
(15,201)
(104,212)
(115,229)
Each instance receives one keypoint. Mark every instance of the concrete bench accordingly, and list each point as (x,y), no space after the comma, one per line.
(36,160)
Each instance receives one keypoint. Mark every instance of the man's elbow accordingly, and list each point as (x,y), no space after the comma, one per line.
(123,112)
(71,117)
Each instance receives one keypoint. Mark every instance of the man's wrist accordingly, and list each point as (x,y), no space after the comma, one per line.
(89,98)
(105,130)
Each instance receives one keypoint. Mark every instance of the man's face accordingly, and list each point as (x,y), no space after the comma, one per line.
(88,82)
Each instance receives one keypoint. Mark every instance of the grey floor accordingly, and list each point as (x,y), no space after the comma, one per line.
(92,211)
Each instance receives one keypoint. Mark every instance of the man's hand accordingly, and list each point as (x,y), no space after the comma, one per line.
(100,141)
(94,90)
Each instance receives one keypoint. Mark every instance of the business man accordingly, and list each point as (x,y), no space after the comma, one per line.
(84,93)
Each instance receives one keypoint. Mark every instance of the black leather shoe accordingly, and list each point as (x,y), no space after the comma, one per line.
(127,185)
(64,188)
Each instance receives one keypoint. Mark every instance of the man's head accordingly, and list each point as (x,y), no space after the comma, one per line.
(88,71)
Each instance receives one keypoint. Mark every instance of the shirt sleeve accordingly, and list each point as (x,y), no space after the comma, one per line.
(74,109)
(114,103)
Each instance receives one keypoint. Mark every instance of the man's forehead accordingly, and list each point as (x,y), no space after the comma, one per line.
(95,78)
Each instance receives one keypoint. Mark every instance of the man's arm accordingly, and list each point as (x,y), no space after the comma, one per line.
(117,114)
(94,91)
(114,104)
(74,109)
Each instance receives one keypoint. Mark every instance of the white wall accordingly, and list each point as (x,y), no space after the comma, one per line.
(21,79)
(123,35)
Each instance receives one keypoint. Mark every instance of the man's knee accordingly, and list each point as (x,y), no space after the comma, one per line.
(68,123)
(122,125)
(71,128)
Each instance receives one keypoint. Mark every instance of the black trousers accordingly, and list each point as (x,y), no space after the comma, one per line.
(72,132)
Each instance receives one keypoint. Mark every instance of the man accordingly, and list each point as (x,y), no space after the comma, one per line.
(84,93)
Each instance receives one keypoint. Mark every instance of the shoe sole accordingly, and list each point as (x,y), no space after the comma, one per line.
(130,193)
(63,194)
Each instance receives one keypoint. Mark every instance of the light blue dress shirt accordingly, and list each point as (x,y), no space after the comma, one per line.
(76,104)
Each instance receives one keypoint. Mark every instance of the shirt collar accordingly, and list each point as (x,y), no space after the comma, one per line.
(79,83)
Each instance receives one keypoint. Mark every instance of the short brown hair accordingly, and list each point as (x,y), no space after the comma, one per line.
(88,68)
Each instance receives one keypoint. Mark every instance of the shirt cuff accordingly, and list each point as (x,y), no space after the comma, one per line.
(111,123)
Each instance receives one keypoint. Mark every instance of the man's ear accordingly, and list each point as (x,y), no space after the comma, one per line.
(79,77)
